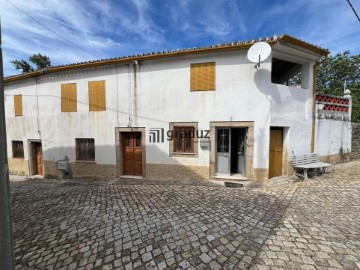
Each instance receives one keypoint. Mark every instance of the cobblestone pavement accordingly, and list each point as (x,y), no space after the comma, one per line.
(304,225)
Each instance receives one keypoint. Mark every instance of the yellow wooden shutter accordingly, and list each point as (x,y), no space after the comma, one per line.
(97,96)
(92,96)
(18,105)
(68,97)
(202,76)
(101,96)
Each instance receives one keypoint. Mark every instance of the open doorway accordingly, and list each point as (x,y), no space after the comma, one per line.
(36,158)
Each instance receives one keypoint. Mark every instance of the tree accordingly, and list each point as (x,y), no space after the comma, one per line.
(40,61)
(22,64)
(332,73)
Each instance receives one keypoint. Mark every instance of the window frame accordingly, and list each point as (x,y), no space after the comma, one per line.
(173,151)
(16,151)
(90,157)
(183,135)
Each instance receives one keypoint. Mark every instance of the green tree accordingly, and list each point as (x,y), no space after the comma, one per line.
(22,64)
(39,60)
(332,73)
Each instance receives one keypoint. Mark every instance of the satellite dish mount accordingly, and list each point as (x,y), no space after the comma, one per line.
(258,53)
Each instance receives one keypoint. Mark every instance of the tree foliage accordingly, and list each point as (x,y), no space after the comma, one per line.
(22,64)
(332,73)
(40,61)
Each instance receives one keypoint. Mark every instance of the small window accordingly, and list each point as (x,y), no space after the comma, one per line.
(85,149)
(68,97)
(18,149)
(184,139)
(18,105)
(97,96)
(202,77)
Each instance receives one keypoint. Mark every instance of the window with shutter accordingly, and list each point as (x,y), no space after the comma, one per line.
(18,105)
(184,139)
(97,96)
(68,97)
(85,149)
(202,76)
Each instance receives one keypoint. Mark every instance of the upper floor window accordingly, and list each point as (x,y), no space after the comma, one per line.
(18,149)
(85,149)
(68,97)
(18,105)
(202,77)
(97,96)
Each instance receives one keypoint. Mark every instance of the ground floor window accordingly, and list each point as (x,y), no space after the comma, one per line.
(85,149)
(184,139)
(18,149)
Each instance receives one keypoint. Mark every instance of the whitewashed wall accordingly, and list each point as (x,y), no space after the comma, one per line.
(163,95)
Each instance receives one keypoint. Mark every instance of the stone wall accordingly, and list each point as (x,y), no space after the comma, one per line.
(80,170)
(355,144)
(176,172)
(18,166)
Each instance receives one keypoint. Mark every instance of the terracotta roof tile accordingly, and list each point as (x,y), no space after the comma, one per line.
(178,52)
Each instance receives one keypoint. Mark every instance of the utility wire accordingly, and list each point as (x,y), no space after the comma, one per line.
(357,16)
(72,43)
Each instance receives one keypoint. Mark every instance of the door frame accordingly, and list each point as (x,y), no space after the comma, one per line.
(32,158)
(249,159)
(119,152)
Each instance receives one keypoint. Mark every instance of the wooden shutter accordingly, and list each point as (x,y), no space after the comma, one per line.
(97,96)
(68,97)
(18,105)
(202,77)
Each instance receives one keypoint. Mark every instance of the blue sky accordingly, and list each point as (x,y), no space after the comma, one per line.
(119,28)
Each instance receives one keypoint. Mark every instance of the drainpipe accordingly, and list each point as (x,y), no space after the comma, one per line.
(314,104)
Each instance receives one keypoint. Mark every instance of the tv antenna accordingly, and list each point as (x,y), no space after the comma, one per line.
(258,53)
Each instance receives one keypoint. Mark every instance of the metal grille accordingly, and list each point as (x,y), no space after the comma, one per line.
(85,149)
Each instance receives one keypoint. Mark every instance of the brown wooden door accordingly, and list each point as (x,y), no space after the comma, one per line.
(276,150)
(132,153)
(38,159)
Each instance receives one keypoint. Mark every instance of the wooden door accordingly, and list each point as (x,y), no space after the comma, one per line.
(276,150)
(38,159)
(132,153)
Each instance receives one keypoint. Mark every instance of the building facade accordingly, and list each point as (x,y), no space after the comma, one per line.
(200,113)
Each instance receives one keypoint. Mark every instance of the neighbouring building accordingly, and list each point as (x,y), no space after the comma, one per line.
(197,113)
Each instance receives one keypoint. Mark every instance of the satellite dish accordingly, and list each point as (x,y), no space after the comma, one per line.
(258,53)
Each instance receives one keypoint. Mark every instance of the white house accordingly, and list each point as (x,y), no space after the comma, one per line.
(196,113)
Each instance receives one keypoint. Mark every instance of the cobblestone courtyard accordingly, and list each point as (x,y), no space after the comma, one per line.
(303,225)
